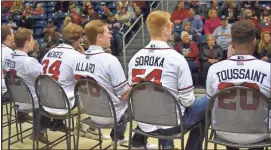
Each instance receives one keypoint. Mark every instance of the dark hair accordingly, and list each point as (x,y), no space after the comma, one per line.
(243,32)
(6,31)
(21,36)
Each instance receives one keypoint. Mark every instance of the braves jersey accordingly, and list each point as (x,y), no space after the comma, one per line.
(27,68)
(107,71)
(6,51)
(241,70)
(159,63)
(58,63)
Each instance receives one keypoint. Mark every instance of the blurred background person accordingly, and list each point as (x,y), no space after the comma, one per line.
(179,13)
(212,22)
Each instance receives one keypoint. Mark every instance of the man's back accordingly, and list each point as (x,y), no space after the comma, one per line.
(6,51)
(58,63)
(160,64)
(107,71)
(240,70)
(26,67)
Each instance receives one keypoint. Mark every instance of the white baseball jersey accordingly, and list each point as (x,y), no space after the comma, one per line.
(107,71)
(240,70)
(6,51)
(27,68)
(58,63)
(159,63)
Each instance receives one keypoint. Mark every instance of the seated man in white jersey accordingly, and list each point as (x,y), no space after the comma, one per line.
(241,69)
(159,63)
(62,59)
(7,39)
(28,69)
(105,69)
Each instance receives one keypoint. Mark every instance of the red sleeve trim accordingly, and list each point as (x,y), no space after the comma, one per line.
(183,89)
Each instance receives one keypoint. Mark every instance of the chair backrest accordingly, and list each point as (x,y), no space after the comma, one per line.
(50,93)
(18,89)
(94,99)
(239,109)
(153,104)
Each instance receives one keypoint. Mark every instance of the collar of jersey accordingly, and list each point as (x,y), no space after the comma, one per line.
(66,46)
(3,45)
(94,49)
(157,45)
(19,53)
(245,57)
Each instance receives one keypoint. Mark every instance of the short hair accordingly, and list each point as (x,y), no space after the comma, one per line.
(243,32)
(5,32)
(72,32)
(210,11)
(183,34)
(156,21)
(21,36)
(210,36)
(92,29)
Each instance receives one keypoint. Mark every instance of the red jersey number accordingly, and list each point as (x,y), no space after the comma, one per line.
(155,74)
(53,69)
(243,97)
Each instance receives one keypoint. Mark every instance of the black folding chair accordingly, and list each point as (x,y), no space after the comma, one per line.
(97,102)
(237,109)
(51,95)
(19,93)
(156,105)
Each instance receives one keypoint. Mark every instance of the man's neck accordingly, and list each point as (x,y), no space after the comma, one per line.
(159,39)
(7,44)
(22,49)
(243,50)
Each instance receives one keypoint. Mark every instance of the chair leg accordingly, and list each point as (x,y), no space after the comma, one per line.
(115,137)
(74,141)
(69,132)
(78,130)
(67,139)
(37,136)
(46,134)
(215,146)
(17,129)
(9,127)
(130,136)
(182,144)
(100,139)
(21,134)
(159,144)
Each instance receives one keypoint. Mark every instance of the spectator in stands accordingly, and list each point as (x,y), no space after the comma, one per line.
(189,50)
(131,9)
(51,37)
(115,28)
(267,27)
(230,11)
(187,28)
(212,22)
(253,6)
(230,51)
(62,6)
(27,10)
(141,7)
(264,47)
(105,11)
(200,9)
(222,35)
(6,5)
(123,15)
(17,8)
(74,15)
(84,20)
(35,52)
(196,23)
(247,15)
(179,13)
(214,5)
(39,10)
(210,54)
(91,14)
(86,5)
(266,15)
(12,24)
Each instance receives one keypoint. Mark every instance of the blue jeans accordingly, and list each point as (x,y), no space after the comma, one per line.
(193,115)
(117,44)
(193,66)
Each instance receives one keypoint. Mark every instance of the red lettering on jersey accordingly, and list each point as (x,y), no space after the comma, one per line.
(155,74)
(93,89)
(243,97)
(53,69)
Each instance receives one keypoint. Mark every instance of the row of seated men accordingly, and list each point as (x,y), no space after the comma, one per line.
(157,62)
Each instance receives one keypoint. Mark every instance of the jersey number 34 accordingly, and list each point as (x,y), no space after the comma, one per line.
(53,68)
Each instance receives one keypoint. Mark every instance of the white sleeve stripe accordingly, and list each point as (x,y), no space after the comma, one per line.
(120,84)
(187,88)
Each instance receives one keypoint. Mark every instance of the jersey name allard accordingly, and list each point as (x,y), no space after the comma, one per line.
(89,67)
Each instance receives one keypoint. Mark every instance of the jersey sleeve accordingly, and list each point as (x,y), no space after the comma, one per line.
(117,76)
(185,84)
(209,81)
(33,67)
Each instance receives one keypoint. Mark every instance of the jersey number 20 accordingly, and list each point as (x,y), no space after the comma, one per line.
(53,69)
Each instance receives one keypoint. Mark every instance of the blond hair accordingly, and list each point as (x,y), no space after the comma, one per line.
(263,44)
(92,29)
(209,36)
(183,34)
(211,11)
(67,20)
(72,32)
(21,36)
(156,21)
